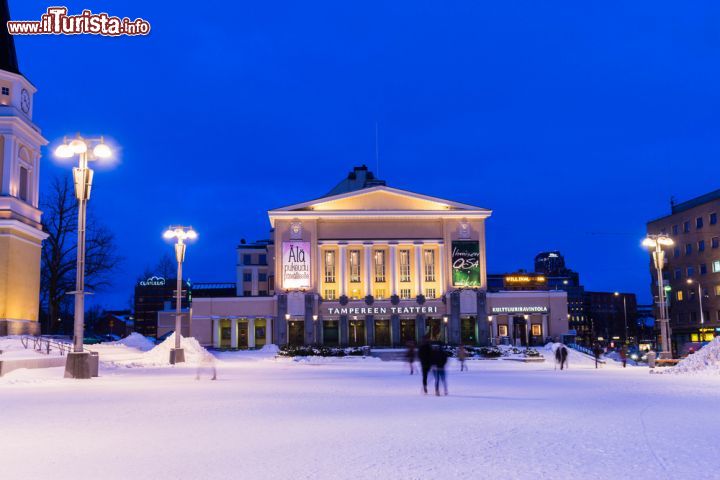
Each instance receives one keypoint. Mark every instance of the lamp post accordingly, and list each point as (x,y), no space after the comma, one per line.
(702,316)
(87,150)
(655,243)
(617,294)
(180,234)
(492,338)
(445,327)
(287,329)
(315,329)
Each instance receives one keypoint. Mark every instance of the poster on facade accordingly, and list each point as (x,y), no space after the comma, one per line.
(466,263)
(295,265)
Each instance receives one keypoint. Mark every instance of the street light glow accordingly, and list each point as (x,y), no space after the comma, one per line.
(64,151)
(102,150)
(78,146)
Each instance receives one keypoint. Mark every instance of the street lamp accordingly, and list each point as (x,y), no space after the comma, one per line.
(181,235)
(655,243)
(702,317)
(492,339)
(87,150)
(445,325)
(315,329)
(287,328)
(617,294)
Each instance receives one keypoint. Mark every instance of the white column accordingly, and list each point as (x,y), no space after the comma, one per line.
(234,333)
(254,285)
(268,331)
(393,269)
(320,271)
(511,329)
(216,332)
(545,332)
(418,269)
(341,264)
(441,264)
(367,253)
(251,333)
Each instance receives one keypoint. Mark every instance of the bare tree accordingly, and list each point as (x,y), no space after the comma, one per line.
(59,251)
(165,267)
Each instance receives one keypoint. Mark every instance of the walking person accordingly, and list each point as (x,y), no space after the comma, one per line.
(207,362)
(462,356)
(439,360)
(410,356)
(425,357)
(597,350)
(561,356)
(623,355)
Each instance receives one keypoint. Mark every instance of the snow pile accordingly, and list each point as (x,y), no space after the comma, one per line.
(270,349)
(160,354)
(705,361)
(135,340)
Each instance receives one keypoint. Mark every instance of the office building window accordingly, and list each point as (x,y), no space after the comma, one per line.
(678,274)
(330,294)
(675,229)
(380,266)
(701,246)
(247,293)
(379,293)
(429,257)
(262,293)
(716,266)
(430,293)
(688,248)
(405,293)
(404,265)
(677,252)
(690,271)
(703,269)
(715,242)
(330,266)
(263,259)
(247,259)
(686,227)
(5,91)
(699,222)
(713,218)
(247,277)
(693,317)
(262,277)
(679,295)
(355,266)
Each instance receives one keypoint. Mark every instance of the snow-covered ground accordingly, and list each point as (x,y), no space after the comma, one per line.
(354,418)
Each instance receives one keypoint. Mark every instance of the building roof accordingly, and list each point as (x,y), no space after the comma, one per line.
(694,202)
(8,57)
(359,178)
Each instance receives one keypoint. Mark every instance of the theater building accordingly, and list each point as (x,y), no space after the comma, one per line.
(369,264)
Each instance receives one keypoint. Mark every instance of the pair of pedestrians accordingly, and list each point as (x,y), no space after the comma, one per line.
(432,356)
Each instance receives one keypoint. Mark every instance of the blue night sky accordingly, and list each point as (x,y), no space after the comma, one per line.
(573,121)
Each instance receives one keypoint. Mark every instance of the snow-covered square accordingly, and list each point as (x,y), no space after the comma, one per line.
(355,418)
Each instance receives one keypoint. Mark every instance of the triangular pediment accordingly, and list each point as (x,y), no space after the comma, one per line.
(380,198)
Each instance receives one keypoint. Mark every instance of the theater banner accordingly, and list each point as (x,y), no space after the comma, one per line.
(466,263)
(296,265)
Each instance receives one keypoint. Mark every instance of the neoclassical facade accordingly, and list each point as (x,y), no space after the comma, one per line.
(367,264)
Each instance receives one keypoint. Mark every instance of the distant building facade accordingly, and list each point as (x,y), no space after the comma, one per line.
(153,295)
(613,318)
(692,270)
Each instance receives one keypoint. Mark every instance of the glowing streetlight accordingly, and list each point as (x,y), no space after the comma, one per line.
(700,299)
(445,327)
(617,294)
(87,150)
(181,235)
(655,244)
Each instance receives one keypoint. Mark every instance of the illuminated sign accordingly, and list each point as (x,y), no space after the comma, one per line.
(296,265)
(525,279)
(153,282)
(379,310)
(466,263)
(528,309)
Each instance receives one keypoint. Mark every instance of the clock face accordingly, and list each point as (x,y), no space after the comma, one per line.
(25,101)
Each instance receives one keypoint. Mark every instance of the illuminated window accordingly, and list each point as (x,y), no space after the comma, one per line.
(380,266)
(430,293)
(355,294)
(679,295)
(716,266)
(379,293)
(429,256)
(404,265)
(717,291)
(330,266)
(503,330)
(355,266)
(405,293)
(536,330)
(329,294)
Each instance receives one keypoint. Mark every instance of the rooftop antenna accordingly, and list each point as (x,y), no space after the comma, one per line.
(377,155)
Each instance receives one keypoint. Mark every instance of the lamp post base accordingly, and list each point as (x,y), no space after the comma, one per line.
(177,355)
(81,365)
(665,355)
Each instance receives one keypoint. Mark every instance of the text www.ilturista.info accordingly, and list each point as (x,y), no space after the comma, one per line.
(56,21)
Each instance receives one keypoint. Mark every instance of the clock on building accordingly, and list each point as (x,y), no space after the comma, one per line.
(25,101)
